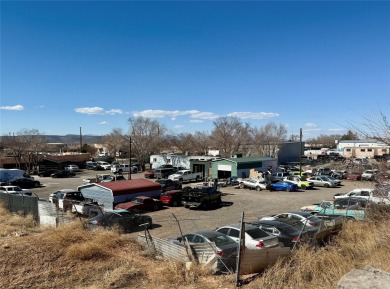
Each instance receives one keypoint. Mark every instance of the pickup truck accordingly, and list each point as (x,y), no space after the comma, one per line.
(368,194)
(350,209)
(200,197)
(186,176)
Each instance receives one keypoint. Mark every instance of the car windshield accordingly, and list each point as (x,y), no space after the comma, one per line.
(137,200)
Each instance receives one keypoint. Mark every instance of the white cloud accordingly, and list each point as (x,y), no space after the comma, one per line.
(103,122)
(15,107)
(97,110)
(311,129)
(200,116)
(254,115)
(310,124)
(157,113)
(179,126)
(337,129)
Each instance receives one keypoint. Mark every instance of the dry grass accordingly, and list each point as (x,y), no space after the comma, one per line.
(72,257)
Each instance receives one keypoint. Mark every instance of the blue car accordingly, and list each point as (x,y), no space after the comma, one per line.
(283,186)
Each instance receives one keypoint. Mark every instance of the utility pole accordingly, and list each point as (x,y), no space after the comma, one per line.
(129,157)
(300,151)
(81,140)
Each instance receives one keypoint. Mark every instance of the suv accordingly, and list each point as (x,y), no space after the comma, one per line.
(104,165)
(123,168)
(163,173)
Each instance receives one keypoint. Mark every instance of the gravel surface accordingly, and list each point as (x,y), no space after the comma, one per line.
(235,202)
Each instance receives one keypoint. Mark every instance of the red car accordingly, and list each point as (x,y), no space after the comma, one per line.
(149,174)
(171,198)
(354,176)
(140,203)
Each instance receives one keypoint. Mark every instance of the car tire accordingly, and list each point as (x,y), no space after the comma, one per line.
(288,190)
(36,185)
(175,203)
(326,185)
(303,187)
(241,185)
(258,189)
(155,207)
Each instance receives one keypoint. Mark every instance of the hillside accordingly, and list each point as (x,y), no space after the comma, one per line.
(73,139)
(71,257)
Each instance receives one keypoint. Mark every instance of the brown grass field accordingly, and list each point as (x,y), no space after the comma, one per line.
(71,257)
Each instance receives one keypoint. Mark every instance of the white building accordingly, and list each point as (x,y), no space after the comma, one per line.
(362,148)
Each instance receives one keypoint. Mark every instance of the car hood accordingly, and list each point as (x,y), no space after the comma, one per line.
(126,206)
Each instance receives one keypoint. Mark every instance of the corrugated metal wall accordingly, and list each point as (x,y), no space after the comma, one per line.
(21,204)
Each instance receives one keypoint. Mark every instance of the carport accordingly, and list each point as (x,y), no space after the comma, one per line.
(111,193)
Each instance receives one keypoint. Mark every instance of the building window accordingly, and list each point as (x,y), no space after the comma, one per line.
(369,150)
(362,150)
(348,150)
(384,150)
(155,160)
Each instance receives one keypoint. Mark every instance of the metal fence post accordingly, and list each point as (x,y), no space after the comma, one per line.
(241,248)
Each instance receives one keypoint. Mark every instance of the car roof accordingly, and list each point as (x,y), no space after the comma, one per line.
(207,233)
(272,223)
(238,226)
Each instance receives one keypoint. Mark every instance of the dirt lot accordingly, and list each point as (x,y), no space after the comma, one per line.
(235,201)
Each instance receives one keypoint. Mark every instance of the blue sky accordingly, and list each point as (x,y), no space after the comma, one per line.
(319,66)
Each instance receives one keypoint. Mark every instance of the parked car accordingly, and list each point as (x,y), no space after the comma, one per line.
(72,168)
(255,184)
(255,238)
(171,198)
(296,218)
(337,181)
(301,182)
(123,168)
(125,220)
(15,190)
(104,165)
(339,174)
(322,181)
(168,185)
(63,174)
(93,166)
(283,186)
(149,174)
(354,176)
(287,234)
(369,175)
(26,183)
(46,173)
(226,247)
(141,203)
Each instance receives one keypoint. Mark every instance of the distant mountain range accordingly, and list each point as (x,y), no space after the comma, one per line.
(73,139)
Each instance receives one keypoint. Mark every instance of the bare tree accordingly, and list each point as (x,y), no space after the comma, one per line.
(374,126)
(115,141)
(183,142)
(26,146)
(146,136)
(328,141)
(268,139)
(202,142)
(229,135)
